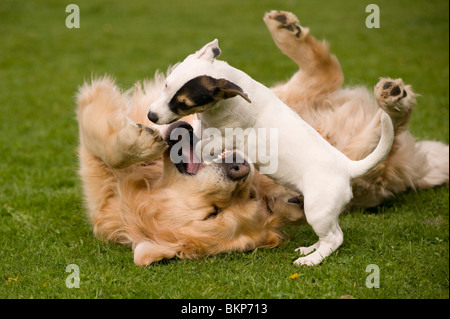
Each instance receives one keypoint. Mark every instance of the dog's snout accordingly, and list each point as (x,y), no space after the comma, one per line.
(238,169)
(153,117)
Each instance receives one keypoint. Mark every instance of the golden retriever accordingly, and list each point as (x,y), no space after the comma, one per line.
(136,195)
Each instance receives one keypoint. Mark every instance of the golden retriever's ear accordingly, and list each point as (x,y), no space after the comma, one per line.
(148,252)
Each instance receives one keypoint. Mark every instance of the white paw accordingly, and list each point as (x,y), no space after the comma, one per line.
(311,260)
(307,250)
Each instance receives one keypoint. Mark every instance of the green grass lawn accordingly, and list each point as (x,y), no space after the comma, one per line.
(43,228)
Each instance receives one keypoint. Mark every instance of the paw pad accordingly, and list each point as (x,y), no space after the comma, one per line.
(393,90)
(287,21)
(395,97)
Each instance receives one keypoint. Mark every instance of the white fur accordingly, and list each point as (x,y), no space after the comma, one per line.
(306,162)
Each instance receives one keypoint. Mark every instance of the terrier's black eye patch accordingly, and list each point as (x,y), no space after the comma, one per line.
(201,91)
(197,92)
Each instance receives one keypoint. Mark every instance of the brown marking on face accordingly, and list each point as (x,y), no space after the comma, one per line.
(183,98)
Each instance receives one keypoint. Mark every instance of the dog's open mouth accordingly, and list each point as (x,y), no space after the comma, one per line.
(181,140)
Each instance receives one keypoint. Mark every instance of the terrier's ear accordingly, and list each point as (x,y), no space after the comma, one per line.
(209,52)
(224,89)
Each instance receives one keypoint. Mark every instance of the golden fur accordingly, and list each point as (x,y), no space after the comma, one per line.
(349,119)
(136,196)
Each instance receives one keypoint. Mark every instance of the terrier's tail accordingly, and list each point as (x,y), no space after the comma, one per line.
(358,168)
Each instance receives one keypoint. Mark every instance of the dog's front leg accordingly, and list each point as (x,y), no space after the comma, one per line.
(135,143)
(107,133)
(148,252)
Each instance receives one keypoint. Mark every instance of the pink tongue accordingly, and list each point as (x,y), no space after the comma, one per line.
(193,168)
(194,164)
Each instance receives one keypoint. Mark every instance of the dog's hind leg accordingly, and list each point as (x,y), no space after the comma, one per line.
(320,71)
(328,242)
(307,250)
(397,99)
(322,211)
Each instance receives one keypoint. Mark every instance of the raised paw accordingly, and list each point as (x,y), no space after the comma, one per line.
(136,142)
(390,93)
(283,24)
(149,142)
(395,98)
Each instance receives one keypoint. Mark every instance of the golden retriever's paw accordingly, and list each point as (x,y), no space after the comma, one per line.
(148,252)
(149,138)
(138,142)
(284,26)
(395,98)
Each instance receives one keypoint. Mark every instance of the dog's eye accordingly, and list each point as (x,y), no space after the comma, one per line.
(213,214)
(183,105)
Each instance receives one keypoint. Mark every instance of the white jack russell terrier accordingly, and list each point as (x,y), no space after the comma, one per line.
(226,97)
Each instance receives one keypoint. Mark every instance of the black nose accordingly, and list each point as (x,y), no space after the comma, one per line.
(238,169)
(153,117)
